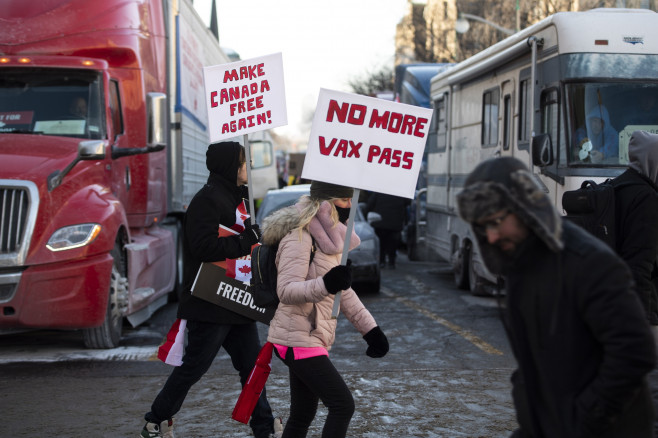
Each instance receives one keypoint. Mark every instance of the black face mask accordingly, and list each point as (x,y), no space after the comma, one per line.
(343,214)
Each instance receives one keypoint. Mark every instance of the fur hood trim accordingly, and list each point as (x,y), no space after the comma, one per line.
(329,237)
(506,183)
(278,224)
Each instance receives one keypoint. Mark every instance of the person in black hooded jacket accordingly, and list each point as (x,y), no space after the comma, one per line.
(393,210)
(636,218)
(573,319)
(221,201)
(636,227)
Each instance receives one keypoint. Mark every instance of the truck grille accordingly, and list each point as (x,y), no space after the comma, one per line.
(14,203)
(19,202)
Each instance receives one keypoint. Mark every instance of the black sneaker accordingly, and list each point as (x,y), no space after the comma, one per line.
(154,430)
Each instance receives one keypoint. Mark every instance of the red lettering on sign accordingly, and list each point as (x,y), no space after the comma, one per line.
(354,114)
(339,111)
(324,149)
(395,158)
(394,123)
(390,157)
(354,149)
(241,92)
(378,121)
(408,124)
(230,75)
(408,159)
(341,148)
(245,106)
(357,114)
(420,125)
(373,152)
(398,123)
(247,122)
(245,72)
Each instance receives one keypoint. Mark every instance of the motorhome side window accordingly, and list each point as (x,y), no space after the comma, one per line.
(507,121)
(524,112)
(115,108)
(440,121)
(603,115)
(550,115)
(490,102)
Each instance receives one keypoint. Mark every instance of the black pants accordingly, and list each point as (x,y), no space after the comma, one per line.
(204,341)
(389,240)
(311,380)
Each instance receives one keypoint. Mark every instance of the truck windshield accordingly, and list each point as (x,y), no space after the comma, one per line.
(602,116)
(51,102)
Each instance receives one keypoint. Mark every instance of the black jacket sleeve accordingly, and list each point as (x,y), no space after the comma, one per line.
(639,245)
(614,316)
(202,221)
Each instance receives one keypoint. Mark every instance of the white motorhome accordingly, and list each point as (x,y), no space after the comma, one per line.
(537,96)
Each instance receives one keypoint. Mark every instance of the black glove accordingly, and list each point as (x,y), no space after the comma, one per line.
(256,230)
(377,342)
(338,278)
(250,236)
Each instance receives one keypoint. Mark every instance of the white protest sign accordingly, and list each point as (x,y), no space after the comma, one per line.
(366,143)
(245,96)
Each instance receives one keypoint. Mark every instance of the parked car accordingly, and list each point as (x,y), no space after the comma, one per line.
(366,274)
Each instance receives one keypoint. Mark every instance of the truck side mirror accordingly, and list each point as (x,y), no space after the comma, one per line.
(87,150)
(91,150)
(542,150)
(156,115)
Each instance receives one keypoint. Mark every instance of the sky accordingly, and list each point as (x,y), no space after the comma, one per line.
(324,44)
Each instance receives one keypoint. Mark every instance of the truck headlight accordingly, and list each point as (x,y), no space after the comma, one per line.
(73,236)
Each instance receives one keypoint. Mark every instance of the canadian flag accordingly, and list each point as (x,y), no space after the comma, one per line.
(241,216)
(240,269)
(171,351)
(254,386)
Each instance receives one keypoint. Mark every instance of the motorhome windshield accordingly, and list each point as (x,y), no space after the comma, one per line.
(51,102)
(603,115)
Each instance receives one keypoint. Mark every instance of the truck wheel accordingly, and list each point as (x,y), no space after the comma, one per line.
(460,266)
(108,334)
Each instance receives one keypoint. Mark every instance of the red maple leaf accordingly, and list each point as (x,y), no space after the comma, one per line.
(243,217)
(245,269)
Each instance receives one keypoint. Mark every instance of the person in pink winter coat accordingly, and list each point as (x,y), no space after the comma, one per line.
(302,329)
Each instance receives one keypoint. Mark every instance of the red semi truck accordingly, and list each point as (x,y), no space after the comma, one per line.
(102,145)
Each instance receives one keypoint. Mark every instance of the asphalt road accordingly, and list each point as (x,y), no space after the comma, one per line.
(447,374)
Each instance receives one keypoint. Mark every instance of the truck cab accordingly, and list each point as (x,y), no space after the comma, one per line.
(83,166)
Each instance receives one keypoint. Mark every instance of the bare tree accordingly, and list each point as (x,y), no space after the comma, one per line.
(427,33)
(373,83)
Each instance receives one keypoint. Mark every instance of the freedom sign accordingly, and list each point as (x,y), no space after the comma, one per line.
(245,96)
(366,143)
(226,284)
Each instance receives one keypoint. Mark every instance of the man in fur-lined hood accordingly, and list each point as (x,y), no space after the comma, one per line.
(507,185)
(573,320)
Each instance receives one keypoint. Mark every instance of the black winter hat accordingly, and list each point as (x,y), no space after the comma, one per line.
(323,190)
(223,158)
